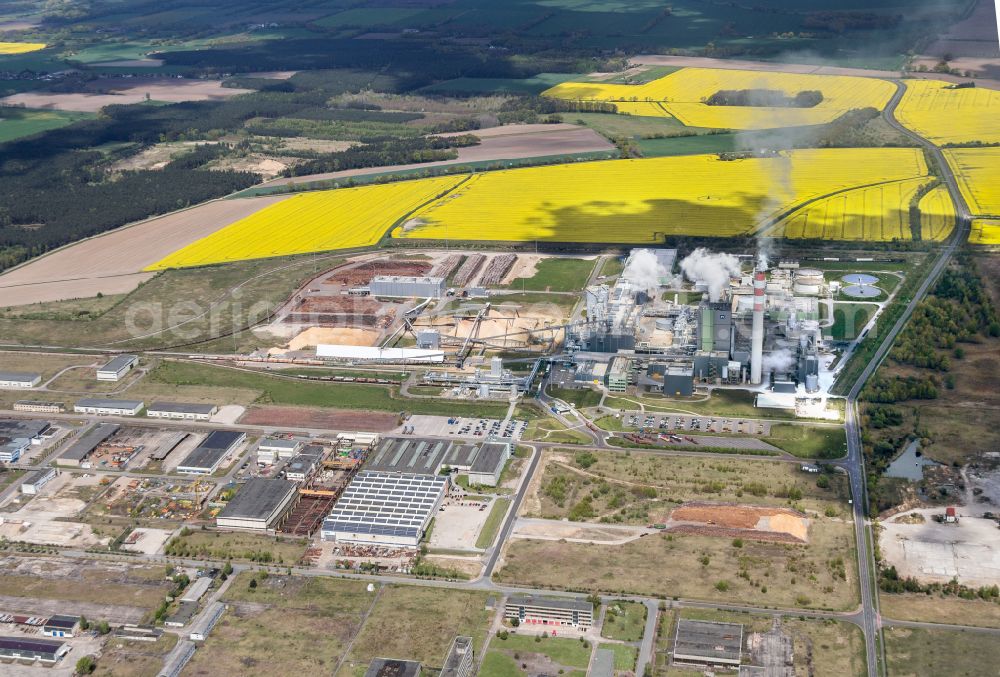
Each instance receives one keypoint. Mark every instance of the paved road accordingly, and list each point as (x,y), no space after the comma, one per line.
(875,647)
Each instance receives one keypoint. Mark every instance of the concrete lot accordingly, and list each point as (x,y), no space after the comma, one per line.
(147,541)
(933,552)
(40,519)
(438,426)
(704,424)
(458,523)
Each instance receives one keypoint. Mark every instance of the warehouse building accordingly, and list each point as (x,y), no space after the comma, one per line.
(271,450)
(181,411)
(460,658)
(17,436)
(199,633)
(41,650)
(61,626)
(706,643)
(197,590)
(397,286)
(185,612)
(386,509)
(19,380)
(103,407)
(117,368)
(260,505)
(207,457)
(38,407)
(391,667)
(36,479)
(530,610)
(482,462)
(11,448)
(77,453)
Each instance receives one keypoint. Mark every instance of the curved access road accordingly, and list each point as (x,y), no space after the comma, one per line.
(855,464)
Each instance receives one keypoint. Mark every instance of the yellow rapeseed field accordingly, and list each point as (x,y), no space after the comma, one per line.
(641,201)
(985,232)
(945,115)
(681,94)
(978,171)
(874,213)
(312,222)
(20,47)
(937,215)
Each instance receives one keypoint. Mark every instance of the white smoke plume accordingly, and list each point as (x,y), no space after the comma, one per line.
(713,269)
(778,360)
(644,270)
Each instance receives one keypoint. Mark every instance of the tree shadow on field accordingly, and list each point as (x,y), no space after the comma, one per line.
(657,220)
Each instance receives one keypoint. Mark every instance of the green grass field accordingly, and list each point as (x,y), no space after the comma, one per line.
(688,145)
(849,320)
(927,653)
(579,397)
(570,653)
(492,525)
(624,621)
(293,392)
(809,441)
(557,275)
(625,655)
(16,123)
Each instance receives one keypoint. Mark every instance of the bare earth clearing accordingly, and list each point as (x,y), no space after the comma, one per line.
(174,90)
(302,417)
(731,64)
(498,143)
(112,263)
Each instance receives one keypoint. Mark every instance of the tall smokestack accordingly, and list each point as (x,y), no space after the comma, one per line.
(757,335)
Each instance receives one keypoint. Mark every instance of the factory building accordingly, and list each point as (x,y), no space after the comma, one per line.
(61,626)
(674,379)
(17,436)
(705,643)
(460,658)
(117,368)
(483,463)
(77,453)
(619,374)
(104,407)
(197,590)
(270,450)
(181,411)
(396,286)
(385,509)
(36,479)
(304,465)
(260,505)
(30,649)
(530,610)
(207,457)
(38,407)
(19,380)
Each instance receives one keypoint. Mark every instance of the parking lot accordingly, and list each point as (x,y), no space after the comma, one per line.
(636,420)
(442,426)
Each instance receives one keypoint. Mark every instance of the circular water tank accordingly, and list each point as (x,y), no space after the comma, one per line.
(860,278)
(861,291)
(809,276)
(806,288)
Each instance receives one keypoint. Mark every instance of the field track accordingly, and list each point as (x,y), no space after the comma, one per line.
(112,263)
(512,142)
